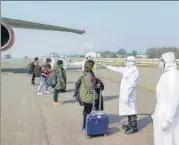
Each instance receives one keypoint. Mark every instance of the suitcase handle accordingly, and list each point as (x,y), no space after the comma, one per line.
(94,92)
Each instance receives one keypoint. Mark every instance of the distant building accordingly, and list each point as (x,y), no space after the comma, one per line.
(93,54)
(142,56)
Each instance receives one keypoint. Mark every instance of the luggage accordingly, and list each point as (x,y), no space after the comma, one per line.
(97,122)
(77,92)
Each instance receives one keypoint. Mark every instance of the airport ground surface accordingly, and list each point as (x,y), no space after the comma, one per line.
(28,119)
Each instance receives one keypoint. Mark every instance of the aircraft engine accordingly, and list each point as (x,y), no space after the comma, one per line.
(7,37)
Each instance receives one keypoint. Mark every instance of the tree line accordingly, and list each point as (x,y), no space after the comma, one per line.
(154,52)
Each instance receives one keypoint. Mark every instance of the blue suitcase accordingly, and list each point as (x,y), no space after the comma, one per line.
(97,122)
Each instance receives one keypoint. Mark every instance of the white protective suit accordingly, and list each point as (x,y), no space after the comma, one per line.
(166,115)
(130,77)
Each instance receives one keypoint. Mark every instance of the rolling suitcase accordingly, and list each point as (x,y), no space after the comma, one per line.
(97,122)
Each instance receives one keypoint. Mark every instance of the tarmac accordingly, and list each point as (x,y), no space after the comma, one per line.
(28,119)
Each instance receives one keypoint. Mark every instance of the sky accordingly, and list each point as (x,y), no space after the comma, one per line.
(110,25)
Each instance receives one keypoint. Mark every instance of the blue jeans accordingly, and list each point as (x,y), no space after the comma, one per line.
(43,86)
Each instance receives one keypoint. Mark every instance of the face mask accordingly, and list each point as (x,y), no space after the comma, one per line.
(129,63)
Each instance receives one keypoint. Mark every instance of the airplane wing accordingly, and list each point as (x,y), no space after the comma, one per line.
(31,25)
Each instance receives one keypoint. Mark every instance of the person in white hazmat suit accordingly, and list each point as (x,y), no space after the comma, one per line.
(166,114)
(127,96)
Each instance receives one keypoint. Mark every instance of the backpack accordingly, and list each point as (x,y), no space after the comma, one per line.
(51,80)
(30,68)
(87,88)
(77,91)
(37,71)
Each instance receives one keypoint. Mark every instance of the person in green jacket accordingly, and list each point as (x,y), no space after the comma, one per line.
(58,80)
(86,91)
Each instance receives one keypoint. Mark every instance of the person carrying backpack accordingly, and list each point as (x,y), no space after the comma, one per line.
(34,66)
(84,91)
(58,80)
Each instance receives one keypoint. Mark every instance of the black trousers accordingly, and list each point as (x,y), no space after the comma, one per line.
(33,79)
(55,95)
(88,108)
(132,121)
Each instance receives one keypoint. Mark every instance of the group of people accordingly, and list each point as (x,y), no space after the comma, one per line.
(54,76)
(166,114)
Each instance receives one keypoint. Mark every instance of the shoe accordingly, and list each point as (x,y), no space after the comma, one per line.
(46,92)
(56,103)
(131,130)
(39,93)
(125,127)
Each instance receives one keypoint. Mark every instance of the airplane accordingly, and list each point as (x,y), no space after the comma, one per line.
(8,36)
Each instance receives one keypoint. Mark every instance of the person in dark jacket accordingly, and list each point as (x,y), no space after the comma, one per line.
(82,92)
(58,80)
(35,65)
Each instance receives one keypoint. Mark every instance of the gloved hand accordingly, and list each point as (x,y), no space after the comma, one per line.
(102,64)
(152,116)
(165,126)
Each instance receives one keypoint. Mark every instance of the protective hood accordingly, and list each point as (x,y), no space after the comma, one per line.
(168,59)
(130,61)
